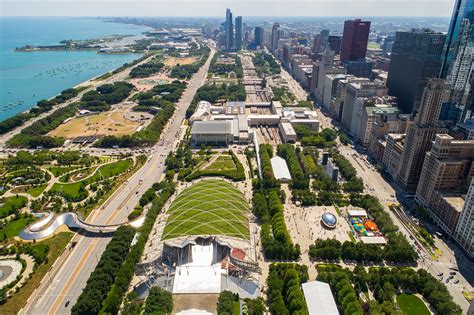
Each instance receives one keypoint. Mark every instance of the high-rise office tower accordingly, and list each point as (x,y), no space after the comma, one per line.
(446,174)
(229,30)
(421,133)
(259,36)
(238,33)
(416,57)
(324,36)
(355,39)
(334,43)
(275,36)
(460,72)
(464,233)
(317,44)
(463,9)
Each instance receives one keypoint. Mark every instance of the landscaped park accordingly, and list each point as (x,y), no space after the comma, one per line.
(209,207)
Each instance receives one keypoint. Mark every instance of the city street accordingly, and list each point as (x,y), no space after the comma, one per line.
(65,282)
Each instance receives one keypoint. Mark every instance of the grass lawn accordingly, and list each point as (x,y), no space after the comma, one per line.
(36,191)
(73,176)
(411,305)
(11,204)
(223,162)
(14,227)
(108,170)
(210,207)
(61,170)
(56,245)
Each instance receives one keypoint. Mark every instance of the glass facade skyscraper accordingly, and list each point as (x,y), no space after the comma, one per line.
(463,9)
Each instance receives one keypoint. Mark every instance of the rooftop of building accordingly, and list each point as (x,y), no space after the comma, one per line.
(212,127)
(319,298)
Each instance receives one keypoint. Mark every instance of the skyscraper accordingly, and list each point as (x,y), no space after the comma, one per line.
(238,33)
(324,36)
(462,9)
(446,174)
(464,234)
(416,57)
(460,72)
(334,43)
(275,36)
(229,30)
(355,39)
(259,36)
(421,133)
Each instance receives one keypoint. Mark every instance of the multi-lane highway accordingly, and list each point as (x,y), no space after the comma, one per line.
(69,274)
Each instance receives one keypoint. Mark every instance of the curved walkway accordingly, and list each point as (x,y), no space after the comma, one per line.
(51,223)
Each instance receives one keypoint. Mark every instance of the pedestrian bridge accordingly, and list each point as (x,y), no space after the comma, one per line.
(50,222)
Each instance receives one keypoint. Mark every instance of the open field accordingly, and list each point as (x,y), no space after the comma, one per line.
(172,61)
(411,305)
(10,204)
(210,207)
(118,122)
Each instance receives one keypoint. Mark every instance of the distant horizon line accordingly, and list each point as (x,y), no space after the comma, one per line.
(218,16)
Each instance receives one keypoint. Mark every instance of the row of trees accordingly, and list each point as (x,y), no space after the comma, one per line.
(265,63)
(186,71)
(331,249)
(284,292)
(276,239)
(266,153)
(214,92)
(308,137)
(146,137)
(225,68)
(164,190)
(159,301)
(33,136)
(41,107)
(353,182)
(147,69)
(299,181)
(102,278)
(105,95)
(342,289)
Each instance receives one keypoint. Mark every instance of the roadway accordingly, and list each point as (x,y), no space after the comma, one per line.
(378,186)
(70,272)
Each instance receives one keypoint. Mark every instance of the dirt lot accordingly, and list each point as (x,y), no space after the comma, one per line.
(207,302)
(170,62)
(118,122)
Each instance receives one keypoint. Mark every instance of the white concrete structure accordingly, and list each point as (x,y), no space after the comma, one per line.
(200,275)
(357,213)
(280,169)
(319,298)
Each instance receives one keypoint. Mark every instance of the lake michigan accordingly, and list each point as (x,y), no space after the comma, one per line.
(27,77)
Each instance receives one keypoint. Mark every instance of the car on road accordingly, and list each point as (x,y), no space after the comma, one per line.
(456,281)
(447,280)
(67,303)
(440,274)
(452,273)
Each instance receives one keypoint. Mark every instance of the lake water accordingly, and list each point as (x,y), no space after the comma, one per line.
(27,77)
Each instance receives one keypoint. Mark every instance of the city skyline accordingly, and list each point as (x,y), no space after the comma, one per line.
(303,8)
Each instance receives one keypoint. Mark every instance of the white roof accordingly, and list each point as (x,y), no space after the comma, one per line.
(280,169)
(212,127)
(373,240)
(319,298)
(357,213)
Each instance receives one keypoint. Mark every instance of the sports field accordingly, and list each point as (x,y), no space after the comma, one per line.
(111,123)
(210,207)
(411,305)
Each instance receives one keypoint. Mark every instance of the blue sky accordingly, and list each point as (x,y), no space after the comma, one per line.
(217,7)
